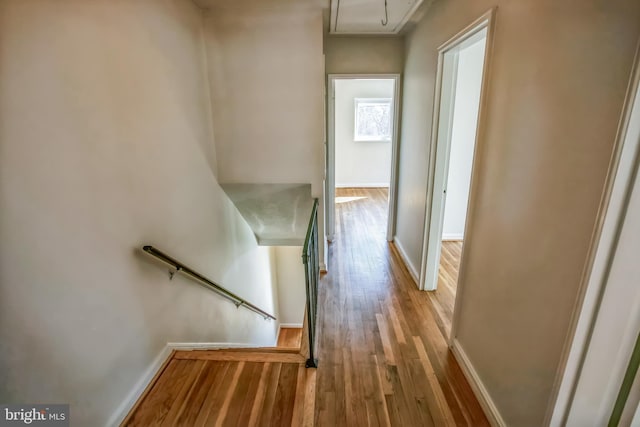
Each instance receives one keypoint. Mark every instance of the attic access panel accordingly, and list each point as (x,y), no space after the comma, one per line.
(367,16)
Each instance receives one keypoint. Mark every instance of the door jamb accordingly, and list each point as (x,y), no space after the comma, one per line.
(486,20)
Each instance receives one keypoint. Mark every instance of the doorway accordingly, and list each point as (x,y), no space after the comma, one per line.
(459,87)
(362,144)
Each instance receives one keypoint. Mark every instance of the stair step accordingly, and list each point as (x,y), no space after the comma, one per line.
(289,337)
(220,387)
(244,355)
(259,349)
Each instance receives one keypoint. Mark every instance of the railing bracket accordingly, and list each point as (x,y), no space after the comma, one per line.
(173,273)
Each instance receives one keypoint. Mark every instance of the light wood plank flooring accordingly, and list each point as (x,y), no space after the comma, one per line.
(383,357)
(229,388)
(382,349)
(443,299)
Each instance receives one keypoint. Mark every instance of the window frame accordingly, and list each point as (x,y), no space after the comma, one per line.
(368,138)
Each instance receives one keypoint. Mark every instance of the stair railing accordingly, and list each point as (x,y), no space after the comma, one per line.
(312,275)
(203,281)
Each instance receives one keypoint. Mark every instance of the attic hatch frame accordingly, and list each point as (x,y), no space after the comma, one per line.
(335,16)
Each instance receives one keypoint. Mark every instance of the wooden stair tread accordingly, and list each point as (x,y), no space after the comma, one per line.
(247,356)
(221,387)
(289,337)
(256,349)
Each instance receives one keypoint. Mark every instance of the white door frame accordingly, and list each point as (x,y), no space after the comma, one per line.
(591,309)
(330,190)
(427,281)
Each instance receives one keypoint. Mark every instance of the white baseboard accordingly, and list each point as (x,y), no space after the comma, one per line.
(123,409)
(140,386)
(452,236)
(490,409)
(363,185)
(405,258)
(290,325)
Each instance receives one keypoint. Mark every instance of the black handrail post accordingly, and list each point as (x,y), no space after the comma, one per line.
(312,275)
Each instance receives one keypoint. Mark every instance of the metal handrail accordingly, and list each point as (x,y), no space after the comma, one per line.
(312,278)
(312,219)
(202,280)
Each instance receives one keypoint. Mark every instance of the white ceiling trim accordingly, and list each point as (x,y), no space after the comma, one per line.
(363,17)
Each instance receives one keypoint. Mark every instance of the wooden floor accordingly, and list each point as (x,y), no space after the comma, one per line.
(444,297)
(382,349)
(229,388)
(383,356)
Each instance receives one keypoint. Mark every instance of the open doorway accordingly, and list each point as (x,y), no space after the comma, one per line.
(457,109)
(361,150)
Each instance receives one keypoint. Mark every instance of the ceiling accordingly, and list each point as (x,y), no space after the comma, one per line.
(262,4)
(367,16)
(345,17)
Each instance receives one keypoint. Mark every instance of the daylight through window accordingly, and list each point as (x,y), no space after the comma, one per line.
(373,119)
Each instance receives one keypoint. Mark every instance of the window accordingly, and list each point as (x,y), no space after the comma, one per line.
(373,119)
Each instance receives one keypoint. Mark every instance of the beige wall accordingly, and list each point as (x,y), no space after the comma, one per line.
(266,83)
(266,72)
(363,55)
(292,295)
(106,145)
(558,78)
(611,309)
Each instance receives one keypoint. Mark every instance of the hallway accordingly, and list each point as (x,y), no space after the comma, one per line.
(382,343)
